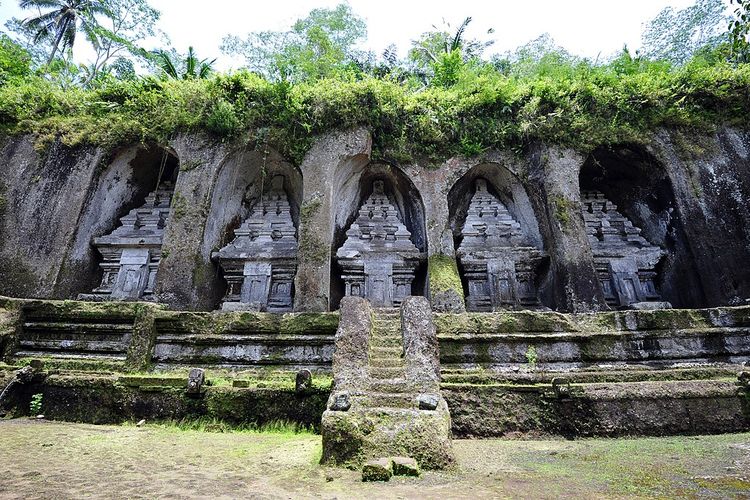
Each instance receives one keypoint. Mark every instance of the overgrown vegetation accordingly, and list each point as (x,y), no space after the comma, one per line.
(441,105)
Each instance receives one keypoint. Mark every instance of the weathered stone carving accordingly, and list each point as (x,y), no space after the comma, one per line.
(378,259)
(259,264)
(132,251)
(624,259)
(500,265)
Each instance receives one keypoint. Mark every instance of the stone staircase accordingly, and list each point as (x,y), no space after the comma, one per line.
(387,386)
(386,399)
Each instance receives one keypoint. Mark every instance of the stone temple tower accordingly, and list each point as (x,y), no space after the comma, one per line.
(499,263)
(624,260)
(378,259)
(131,253)
(260,263)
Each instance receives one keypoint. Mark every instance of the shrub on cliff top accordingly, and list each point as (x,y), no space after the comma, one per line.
(574,104)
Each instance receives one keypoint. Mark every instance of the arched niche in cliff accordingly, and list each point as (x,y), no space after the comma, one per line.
(499,248)
(629,181)
(124,185)
(378,182)
(242,180)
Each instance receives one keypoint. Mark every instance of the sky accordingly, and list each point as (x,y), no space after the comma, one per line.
(589,28)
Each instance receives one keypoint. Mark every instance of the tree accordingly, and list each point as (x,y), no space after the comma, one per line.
(676,35)
(443,41)
(63,22)
(739,29)
(317,46)
(443,53)
(119,31)
(189,68)
(14,60)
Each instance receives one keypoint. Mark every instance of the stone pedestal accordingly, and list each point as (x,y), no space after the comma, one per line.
(498,261)
(378,259)
(131,253)
(259,264)
(624,260)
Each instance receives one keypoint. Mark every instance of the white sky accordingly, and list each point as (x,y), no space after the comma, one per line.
(584,27)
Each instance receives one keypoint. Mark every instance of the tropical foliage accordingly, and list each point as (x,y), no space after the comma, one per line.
(445,99)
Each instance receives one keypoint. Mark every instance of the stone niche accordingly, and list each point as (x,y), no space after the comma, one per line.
(499,262)
(642,189)
(260,263)
(624,260)
(378,260)
(131,253)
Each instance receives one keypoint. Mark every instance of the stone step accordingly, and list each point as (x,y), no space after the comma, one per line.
(389,385)
(390,351)
(385,372)
(388,400)
(386,342)
(387,362)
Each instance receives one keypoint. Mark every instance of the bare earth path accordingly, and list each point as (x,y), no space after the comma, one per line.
(41,459)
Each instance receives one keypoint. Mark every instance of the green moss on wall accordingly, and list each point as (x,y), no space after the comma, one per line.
(443,273)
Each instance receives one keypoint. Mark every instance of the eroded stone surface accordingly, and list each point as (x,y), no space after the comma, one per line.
(260,263)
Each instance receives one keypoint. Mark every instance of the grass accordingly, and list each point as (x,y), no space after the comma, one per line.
(215,425)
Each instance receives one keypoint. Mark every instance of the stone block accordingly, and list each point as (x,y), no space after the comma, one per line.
(428,401)
(405,466)
(302,381)
(377,470)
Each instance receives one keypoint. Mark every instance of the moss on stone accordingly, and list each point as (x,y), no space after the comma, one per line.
(311,247)
(563,208)
(443,272)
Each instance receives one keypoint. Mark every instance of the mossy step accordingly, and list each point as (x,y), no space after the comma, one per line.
(386,342)
(385,351)
(390,385)
(385,373)
(388,362)
(152,380)
(389,400)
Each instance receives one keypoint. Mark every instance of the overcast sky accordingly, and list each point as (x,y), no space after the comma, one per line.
(584,27)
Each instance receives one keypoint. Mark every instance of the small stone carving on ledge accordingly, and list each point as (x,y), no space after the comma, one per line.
(378,259)
(260,263)
(131,253)
(499,263)
(624,260)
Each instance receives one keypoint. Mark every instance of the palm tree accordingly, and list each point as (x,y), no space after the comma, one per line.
(63,20)
(444,41)
(194,68)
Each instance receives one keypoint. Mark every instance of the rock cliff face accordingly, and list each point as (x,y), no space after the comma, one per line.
(689,197)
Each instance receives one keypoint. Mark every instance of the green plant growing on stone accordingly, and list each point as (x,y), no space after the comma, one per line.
(35,407)
(531,356)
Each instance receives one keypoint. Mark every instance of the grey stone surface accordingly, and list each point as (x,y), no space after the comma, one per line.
(421,350)
(378,259)
(428,401)
(41,198)
(340,401)
(500,265)
(334,159)
(196,377)
(260,263)
(351,357)
(302,381)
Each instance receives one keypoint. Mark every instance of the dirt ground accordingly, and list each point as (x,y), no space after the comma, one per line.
(40,459)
